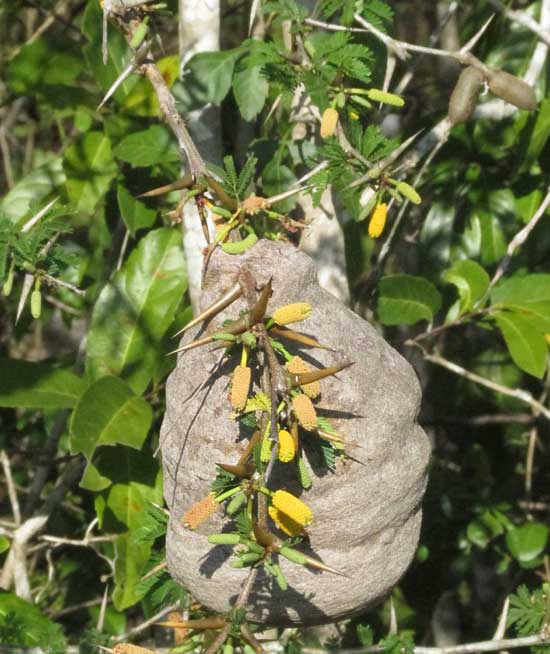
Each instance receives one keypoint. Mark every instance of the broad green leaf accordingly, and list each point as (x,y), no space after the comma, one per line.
(130,561)
(539,135)
(527,294)
(471,280)
(526,205)
(40,63)
(478,534)
(526,344)
(250,89)
(528,541)
(33,188)
(134,310)
(22,625)
(493,244)
(210,73)
(93,480)
(151,146)
(38,385)
(135,214)
(119,52)
(277,178)
(108,413)
(4,544)
(90,168)
(405,300)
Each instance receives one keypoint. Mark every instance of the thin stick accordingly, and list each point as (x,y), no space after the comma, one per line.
(6,466)
(146,624)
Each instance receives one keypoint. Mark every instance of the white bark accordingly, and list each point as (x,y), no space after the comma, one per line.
(199,31)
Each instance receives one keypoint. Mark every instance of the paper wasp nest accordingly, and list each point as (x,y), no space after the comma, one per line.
(367,512)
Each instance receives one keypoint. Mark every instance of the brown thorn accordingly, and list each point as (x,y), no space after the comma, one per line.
(257,312)
(193,344)
(226,299)
(215,622)
(313,563)
(301,378)
(335,438)
(254,440)
(243,470)
(180,184)
(292,335)
(251,639)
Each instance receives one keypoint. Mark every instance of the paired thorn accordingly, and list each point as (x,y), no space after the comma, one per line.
(298,337)
(228,298)
(301,378)
(183,183)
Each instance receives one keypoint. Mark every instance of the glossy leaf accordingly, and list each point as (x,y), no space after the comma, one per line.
(134,310)
(539,134)
(38,385)
(135,214)
(471,281)
(89,167)
(526,294)
(130,561)
(527,541)
(108,413)
(250,89)
(148,147)
(33,188)
(209,75)
(493,244)
(526,344)
(405,300)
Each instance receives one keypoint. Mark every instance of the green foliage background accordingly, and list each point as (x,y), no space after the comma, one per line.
(81,387)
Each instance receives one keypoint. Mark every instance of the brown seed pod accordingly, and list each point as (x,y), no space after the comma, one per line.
(465,94)
(512,89)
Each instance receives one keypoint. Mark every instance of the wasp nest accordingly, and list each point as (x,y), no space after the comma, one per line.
(363,514)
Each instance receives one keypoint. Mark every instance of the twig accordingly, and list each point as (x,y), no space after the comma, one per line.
(522,18)
(519,394)
(518,240)
(32,221)
(146,624)
(54,281)
(11,488)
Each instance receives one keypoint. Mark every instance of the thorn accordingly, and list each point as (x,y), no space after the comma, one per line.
(501,627)
(215,622)
(32,221)
(475,38)
(102,610)
(300,378)
(179,185)
(27,285)
(242,470)
(228,298)
(393,619)
(313,563)
(390,68)
(192,345)
(274,106)
(253,12)
(138,57)
(287,194)
(336,438)
(257,312)
(292,335)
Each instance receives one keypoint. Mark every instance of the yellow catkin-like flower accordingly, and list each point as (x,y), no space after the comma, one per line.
(328,122)
(292,507)
(287,449)
(297,365)
(285,523)
(239,387)
(200,512)
(129,648)
(378,220)
(292,313)
(305,412)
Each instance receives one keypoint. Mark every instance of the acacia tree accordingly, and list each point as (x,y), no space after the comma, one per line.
(446,251)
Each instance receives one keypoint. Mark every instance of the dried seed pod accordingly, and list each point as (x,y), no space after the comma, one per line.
(287,449)
(284,523)
(200,511)
(305,412)
(465,94)
(291,313)
(297,365)
(512,89)
(239,387)
(377,220)
(328,122)
(292,507)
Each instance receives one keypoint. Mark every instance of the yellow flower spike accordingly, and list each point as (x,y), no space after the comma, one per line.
(292,507)
(239,387)
(305,412)
(284,523)
(296,366)
(200,512)
(328,122)
(287,448)
(292,313)
(378,220)
(244,356)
